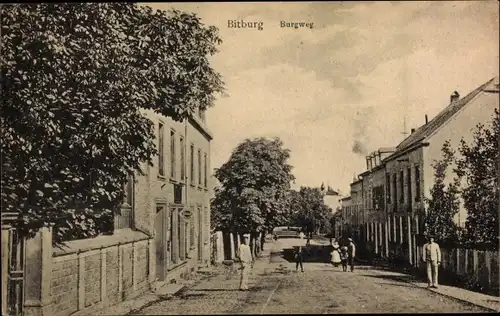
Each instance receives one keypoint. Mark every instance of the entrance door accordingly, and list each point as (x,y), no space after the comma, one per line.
(160,242)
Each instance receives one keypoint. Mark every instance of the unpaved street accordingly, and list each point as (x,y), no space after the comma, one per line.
(277,289)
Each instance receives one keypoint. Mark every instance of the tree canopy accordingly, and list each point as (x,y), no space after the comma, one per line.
(443,202)
(254,186)
(479,163)
(75,76)
(309,210)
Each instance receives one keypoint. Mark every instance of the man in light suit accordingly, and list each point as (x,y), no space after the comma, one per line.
(432,257)
(246,261)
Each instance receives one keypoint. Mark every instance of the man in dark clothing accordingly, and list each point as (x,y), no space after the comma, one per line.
(299,258)
(351,253)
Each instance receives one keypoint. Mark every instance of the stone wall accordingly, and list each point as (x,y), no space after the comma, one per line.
(86,275)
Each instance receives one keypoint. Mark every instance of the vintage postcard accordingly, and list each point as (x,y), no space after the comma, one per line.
(207,158)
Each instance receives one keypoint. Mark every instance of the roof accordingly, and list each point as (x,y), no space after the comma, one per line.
(331,191)
(345,198)
(447,113)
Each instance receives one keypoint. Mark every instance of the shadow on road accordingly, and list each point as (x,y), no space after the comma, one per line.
(213,290)
(395,278)
(314,253)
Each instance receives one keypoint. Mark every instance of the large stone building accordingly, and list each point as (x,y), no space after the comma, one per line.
(162,233)
(173,199)
(398,179)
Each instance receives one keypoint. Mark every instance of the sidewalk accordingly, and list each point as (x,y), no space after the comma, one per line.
(220,275)
(475,298)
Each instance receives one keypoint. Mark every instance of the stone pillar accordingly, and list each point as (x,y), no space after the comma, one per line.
(220,247)
(375,226)
(231,241)
(410,248)
(394,225)
(417,248)
(401,230)
(103,275)
(386,238)
(152,261)
(38,273)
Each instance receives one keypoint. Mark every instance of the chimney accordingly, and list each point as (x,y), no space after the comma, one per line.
(412,130)
(426,119)
(367,163)
(454,97)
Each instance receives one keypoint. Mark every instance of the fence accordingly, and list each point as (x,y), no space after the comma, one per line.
(478,269)
(87,275)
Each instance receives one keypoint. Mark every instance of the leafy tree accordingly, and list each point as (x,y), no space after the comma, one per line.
(444,202)
(311,213)
(75,76)
(479,164)
(254,187)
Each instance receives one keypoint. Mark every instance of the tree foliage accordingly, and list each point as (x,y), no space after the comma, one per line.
(74,78)
(479,164)
(309,210)
(254,187)
(443,203)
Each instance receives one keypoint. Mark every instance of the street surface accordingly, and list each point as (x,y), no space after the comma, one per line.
(321,289)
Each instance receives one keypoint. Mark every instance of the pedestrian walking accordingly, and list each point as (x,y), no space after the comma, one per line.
(335,254)
(351,253)
(299,258)
(246,261)
(432,257)
(344,256)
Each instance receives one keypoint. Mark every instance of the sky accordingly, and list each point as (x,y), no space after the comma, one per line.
(337,91)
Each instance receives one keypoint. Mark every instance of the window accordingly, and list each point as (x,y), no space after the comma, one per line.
(401,187)
(394,190)
(172,154)
(177,194)
(183,162)
(199,167)
(205,169)
(408,183)
(417,183)
(161,151)
(192,164)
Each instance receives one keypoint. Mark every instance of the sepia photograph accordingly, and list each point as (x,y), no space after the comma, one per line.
(211,158)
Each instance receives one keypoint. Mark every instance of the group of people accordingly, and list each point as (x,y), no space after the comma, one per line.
(343,255)
(340,255)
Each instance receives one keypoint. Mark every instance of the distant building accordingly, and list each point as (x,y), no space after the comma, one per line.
(331,198)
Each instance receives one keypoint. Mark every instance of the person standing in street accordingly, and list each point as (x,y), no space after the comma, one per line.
(299,258)
(351,253)
(432,257)
(344,257)
(246,261)
(335,254)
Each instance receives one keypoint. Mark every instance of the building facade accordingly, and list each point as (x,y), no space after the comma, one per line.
(397,180)
(172,201)
(161,234)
